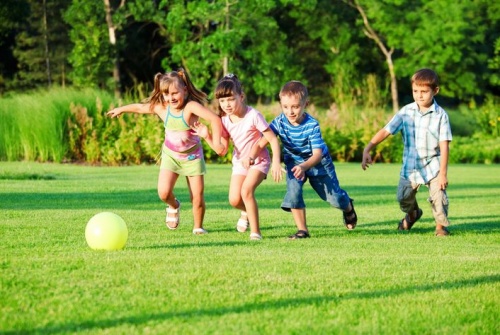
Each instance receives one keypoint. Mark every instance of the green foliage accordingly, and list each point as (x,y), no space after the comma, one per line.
(373,280)
(92,55)
(71,125)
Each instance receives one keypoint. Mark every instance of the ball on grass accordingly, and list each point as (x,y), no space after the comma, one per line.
(106,231)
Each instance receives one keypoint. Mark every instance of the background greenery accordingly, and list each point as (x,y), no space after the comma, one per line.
(373,280)
(347,51)
(68,125)
(65,63)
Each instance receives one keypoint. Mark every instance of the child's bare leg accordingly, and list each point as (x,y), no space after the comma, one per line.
(196,186)
(247,191)
(166,183)
(299,216)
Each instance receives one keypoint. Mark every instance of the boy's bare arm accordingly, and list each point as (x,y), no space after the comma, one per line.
(381,135)
(444,147)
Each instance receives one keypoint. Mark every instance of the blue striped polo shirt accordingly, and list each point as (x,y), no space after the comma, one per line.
(299,141)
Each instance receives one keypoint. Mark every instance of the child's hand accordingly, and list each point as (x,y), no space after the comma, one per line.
(443,181)
(367,160)
(277,172)
(114,112)
(200,129)
(298,172)
(247,162)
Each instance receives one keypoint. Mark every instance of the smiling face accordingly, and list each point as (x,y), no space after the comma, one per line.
(293,108)
(175,96)
(423,95)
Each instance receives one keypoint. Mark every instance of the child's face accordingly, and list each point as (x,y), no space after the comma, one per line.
(232,105)
(293,108)
(423,95)
(176,96)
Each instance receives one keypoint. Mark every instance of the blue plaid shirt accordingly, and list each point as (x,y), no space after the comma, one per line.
(421,136)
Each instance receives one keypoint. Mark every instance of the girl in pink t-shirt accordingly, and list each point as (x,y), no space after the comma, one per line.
(245,126)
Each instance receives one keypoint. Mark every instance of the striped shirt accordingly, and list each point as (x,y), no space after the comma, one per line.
(299,141)
(421,133)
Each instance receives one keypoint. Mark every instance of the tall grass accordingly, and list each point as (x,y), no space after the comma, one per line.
(373,280)
(33,126)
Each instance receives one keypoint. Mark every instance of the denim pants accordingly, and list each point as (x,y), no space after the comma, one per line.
(438,199)
(323,180)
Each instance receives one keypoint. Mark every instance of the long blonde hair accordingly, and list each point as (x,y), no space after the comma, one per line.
(180,77)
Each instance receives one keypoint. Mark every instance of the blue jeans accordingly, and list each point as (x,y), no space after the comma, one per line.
(323,180)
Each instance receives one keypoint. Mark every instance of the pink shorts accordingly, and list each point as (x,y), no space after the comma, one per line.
(261,164)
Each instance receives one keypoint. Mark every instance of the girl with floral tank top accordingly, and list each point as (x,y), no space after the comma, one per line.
(179,105)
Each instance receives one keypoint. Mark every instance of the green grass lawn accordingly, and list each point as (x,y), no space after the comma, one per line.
(373,280)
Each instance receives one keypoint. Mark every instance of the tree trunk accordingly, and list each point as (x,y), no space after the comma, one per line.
(387,53)
(112,41)
(46,44)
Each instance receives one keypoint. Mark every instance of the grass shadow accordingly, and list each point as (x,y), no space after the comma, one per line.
(257,306)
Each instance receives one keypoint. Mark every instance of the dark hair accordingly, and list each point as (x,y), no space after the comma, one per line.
(180,77)
(425,77)
(295,88)
(228,86)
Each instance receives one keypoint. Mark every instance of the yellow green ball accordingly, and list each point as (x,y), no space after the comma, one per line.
(106,231)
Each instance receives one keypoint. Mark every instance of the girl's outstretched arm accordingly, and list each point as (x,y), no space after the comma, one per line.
(132,108)
(276,169)
(202,131)
(215,124)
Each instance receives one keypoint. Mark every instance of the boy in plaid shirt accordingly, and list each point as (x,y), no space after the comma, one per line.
(426,132)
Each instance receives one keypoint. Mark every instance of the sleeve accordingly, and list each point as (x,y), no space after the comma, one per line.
(445,129)
(260,122)
(395,124)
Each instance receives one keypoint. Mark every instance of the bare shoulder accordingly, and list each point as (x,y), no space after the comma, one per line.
(161,111)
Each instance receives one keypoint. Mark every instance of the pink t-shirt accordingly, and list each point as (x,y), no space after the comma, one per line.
(245,134)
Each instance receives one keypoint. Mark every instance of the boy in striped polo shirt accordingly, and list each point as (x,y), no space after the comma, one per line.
(426,136)
(306,157)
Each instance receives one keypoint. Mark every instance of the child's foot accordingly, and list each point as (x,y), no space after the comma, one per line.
(173,215)
(242,224)
(199,231)
(350,218)
(442,231)
(406,223)
(255,236)
(299,234)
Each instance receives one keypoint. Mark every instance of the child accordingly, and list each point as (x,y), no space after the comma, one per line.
(179,105)
(426,135)
(245,126)
(306,156)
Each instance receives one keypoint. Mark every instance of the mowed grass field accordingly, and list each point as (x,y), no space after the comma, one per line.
(373,280)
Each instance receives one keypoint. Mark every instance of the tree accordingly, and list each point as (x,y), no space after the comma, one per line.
(42,46)
(92,55)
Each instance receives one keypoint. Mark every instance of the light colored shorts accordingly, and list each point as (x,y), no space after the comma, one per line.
(194,166)
(261,164)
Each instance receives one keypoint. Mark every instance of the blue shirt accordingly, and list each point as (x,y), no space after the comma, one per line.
(299,141)
(421,133)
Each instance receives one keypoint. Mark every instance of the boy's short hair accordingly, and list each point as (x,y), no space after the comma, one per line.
(295,88)
(425,77)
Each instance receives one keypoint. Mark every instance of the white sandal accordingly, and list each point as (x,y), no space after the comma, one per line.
(242,225)
(199,231)
(255,237)
(173,219)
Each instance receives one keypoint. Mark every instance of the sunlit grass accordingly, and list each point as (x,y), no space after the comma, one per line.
(373,280)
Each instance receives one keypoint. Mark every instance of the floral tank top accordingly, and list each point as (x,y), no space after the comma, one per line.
(180,140)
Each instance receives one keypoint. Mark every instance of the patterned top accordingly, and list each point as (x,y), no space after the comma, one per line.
(180,139)
(299,141)
(245,134)
(421,133)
